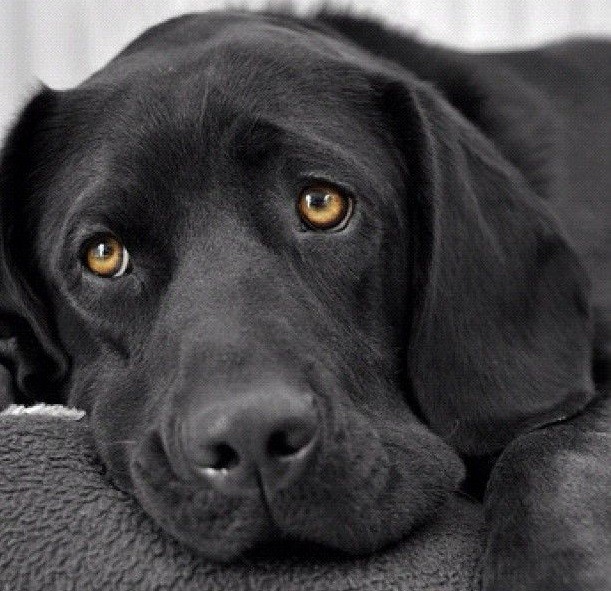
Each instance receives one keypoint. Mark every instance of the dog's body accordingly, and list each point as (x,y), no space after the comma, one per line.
(250,374)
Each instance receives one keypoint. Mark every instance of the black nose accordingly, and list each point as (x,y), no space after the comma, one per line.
(261,438)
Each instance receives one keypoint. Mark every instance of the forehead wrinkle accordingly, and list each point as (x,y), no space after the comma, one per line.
(327,120)
(260,135)
(336,146)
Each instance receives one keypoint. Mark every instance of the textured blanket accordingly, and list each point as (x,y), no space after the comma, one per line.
(64,526)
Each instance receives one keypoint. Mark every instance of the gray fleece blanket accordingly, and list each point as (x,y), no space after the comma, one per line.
(64,526)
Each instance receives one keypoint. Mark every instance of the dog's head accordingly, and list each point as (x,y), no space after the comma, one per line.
(287,281)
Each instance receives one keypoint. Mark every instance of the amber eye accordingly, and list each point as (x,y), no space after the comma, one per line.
(107,257)
(323,207)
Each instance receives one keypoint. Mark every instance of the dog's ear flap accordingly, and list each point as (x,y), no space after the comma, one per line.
(31,361)
(501,332)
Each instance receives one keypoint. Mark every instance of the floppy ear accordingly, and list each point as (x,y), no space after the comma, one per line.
(30,359)
(501,331)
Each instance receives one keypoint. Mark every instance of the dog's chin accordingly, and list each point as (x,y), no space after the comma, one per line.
(354,498)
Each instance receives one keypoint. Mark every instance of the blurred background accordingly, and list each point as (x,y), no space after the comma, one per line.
(61,42)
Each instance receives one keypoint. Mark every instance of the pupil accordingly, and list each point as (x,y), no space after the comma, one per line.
(318,199)
(103,250)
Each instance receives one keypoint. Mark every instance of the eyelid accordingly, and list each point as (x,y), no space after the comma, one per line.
(312,179)
(125,262)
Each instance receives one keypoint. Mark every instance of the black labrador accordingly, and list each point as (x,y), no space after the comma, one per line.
(301,272)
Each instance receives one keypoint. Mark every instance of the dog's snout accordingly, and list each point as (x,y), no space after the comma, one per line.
(263,439)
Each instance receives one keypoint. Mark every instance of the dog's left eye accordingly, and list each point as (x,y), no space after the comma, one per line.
(323,207)
(106,256)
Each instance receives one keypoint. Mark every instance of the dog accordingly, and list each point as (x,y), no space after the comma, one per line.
(309,276)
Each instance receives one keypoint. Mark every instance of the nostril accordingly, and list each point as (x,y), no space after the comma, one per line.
(288,442)
(263,438)
(220,457)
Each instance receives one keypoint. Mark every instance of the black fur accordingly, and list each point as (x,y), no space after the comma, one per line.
(452,317)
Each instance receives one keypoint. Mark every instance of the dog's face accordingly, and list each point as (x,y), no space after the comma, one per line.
(235,244)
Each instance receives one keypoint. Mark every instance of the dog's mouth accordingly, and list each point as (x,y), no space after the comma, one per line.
(360,493)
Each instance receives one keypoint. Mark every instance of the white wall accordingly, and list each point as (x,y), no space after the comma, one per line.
(62,41)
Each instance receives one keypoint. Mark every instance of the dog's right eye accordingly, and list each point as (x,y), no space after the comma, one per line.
(322,207)
(106,256)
